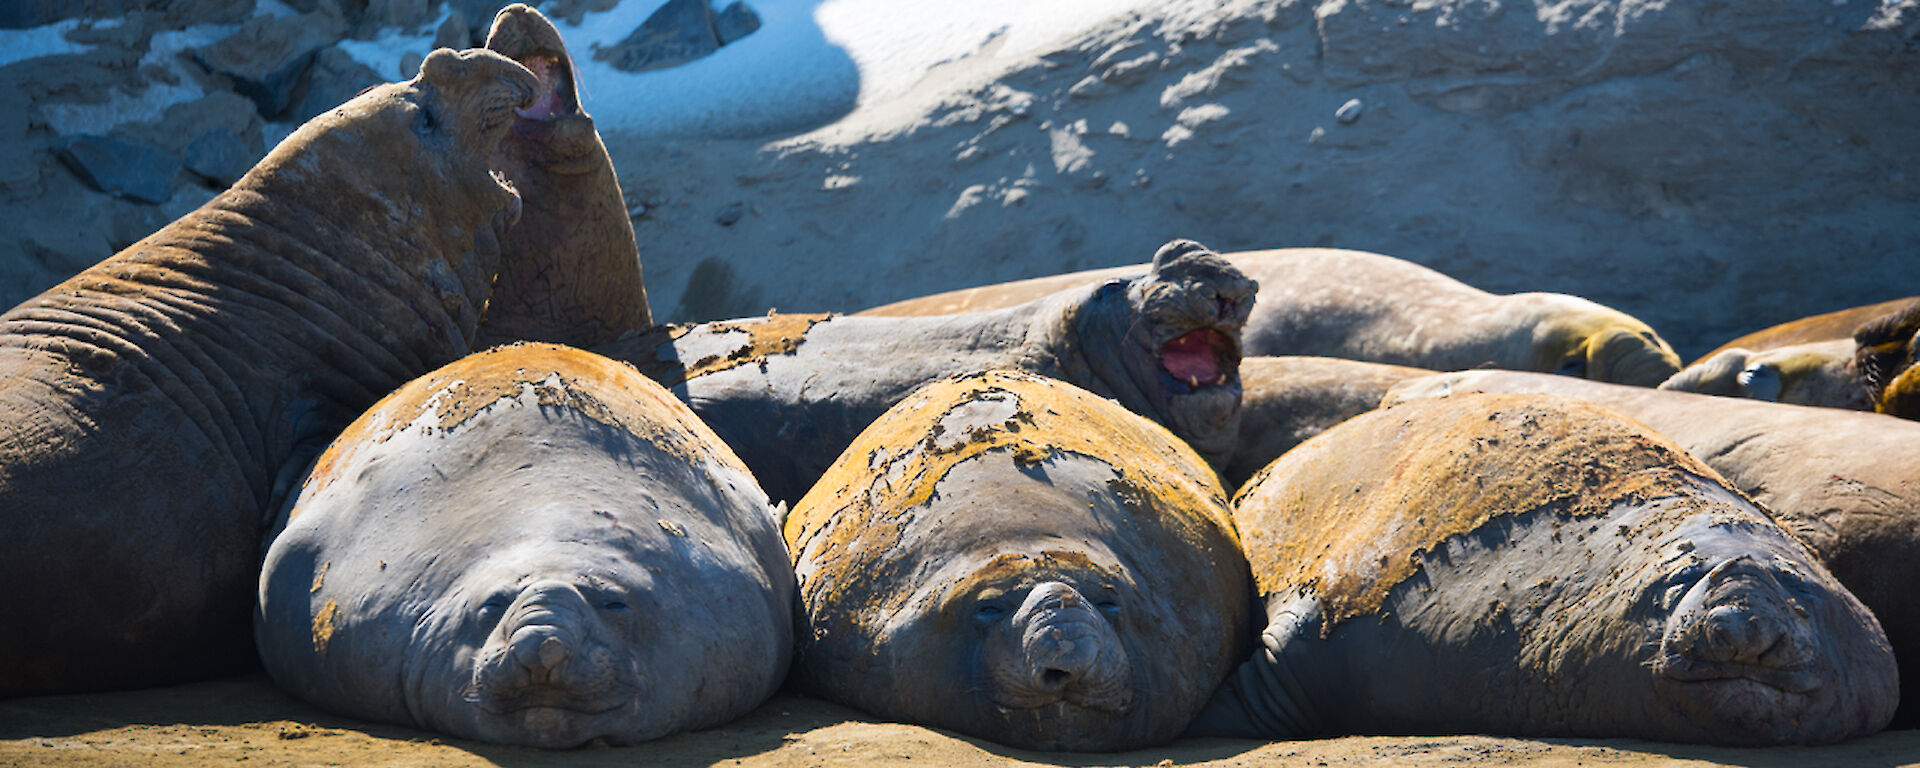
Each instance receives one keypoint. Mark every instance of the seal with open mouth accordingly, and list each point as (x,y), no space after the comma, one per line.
(532,545)
(154,406)
(1531,565)
(572,272)
(1355,305)
(789,392)
(1017,559)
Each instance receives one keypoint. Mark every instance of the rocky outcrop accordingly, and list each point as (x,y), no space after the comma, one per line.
(679,32)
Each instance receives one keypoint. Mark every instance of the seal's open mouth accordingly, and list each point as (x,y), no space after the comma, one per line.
(556,97)
(1200,358)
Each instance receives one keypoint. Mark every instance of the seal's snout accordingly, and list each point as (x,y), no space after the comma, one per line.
(1736,634)
(1738,622)
(539,651)
(1063,649)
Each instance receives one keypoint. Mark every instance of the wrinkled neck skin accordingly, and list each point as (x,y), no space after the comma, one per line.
(1729,635)
(571,272)
(299,297)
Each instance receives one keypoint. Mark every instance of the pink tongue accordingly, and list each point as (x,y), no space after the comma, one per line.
(1190,357)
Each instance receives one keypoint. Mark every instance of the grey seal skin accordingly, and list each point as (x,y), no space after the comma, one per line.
(1364,306)
(1846,483)
(789,392)
(571,274)
(533,545)
(1536,566)
(153,406)
(1017,559)
(1285,400)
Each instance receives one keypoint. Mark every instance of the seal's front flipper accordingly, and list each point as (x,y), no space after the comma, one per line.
(1267,696)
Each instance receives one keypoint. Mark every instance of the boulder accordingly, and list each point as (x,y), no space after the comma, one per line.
(134,171)
(679,32)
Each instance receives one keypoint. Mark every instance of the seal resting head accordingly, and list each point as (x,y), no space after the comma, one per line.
(532,545)
(1018,559)
(1816,373)
(1592,341)
(1533,565)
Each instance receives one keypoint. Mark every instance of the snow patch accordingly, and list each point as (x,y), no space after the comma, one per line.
(383,54)
(47,40)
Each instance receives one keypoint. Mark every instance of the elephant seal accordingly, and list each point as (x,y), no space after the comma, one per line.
(532,545)
(1535,566)
(1285,400)
(1818,373)
(1830,326)
(1865,368)
(1014,558)
(1847,484)
(152,404)
(789,392)
(572,271)
(1364,306)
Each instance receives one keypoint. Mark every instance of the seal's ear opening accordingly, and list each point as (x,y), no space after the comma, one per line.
(1175,249)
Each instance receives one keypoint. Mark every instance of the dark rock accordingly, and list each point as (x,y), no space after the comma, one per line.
(735,22)
(455,32)
(479,14)
(334,78)
(410,64)
(134,171)
(219,156)
(181,123)
(731,214)
(403,14)
(574,11)
(268,56)
(679,32)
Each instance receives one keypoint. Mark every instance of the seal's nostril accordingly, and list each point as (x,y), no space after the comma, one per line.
(553,650)
(1737,634)
(1055,679)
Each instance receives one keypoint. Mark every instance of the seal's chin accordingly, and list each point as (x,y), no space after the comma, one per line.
(1198,359)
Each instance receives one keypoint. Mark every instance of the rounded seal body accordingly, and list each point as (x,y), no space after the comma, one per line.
(1543,567)
(1016,559)
(534,545)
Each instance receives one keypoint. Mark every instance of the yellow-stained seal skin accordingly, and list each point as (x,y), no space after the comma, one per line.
(986,513)
(533,545)
(1537,566)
